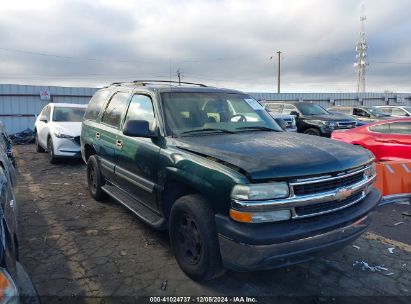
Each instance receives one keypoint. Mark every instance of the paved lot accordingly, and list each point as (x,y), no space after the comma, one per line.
(74,246)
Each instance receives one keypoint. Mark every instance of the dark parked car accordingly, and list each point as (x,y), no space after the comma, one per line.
(365,114)
(213,167)
(14,280)
(313,119)
(5,144)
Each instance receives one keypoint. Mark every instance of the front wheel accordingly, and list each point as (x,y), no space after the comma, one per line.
(194,238)
(94,179)
(312,131)
(50,151)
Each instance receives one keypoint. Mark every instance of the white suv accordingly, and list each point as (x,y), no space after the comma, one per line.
(58,129)
(396,111)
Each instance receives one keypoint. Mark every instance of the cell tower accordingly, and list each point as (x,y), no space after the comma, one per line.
(361,49)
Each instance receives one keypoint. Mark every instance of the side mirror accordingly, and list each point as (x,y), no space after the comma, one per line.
(281,123)
(295,113)
(138,128)
(43,119)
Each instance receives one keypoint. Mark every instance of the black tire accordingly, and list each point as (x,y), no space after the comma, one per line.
(312,131)
(94,179)
(50,151)
(193,238)
(39,149)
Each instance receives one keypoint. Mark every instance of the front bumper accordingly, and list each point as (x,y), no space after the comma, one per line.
(248,247)
(66,147)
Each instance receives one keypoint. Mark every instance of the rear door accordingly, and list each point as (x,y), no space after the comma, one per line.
(137,157)
(108,132)
(375,139)
(398,141)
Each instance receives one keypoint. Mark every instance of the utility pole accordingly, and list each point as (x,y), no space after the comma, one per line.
(279,72)
(179,77)
(361,57)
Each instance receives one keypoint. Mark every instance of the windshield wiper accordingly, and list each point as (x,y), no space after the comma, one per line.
(260,128)
(207,130)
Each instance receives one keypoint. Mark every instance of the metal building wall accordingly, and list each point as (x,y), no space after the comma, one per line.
(20,104)
(344,99)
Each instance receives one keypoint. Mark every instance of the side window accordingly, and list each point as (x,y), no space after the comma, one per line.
(46,113)
(114,110)
(96,103)
(288,109)
(398,112)
(360,112)
(141,108)
(275,107)
(383,128)
(386,110)
(400,128)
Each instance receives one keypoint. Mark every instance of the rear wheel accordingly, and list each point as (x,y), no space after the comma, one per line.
(194,238)
(312,131)
(50,150)
(94,179)
(39,148)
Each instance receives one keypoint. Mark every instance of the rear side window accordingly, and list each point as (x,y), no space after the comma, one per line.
(400,128)
(273,107)
(398,112)
(288,109)
(141,108)
(114,111)
(46,113)
(383,128)
(386,110)
(96,103)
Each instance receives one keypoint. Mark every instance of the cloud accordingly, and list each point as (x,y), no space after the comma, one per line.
(224,43)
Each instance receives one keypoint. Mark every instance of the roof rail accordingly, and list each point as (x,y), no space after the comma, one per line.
(145,82)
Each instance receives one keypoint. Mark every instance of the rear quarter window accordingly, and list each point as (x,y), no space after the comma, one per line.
(96,104)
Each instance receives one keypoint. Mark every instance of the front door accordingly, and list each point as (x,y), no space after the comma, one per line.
(137,158)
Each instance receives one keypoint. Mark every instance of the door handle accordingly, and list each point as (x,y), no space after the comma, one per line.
(98,135)
(119,144)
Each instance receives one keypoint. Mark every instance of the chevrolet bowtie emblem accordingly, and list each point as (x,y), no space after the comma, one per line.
(342,194)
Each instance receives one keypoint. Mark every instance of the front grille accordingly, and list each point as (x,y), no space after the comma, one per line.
(346,124)
(309,210)
(323,186)
(77,140)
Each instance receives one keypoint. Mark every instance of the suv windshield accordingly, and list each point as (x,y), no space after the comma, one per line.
(311,109)
(68,114)
(193,113)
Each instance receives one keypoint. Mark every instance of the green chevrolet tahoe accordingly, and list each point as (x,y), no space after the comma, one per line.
(212,167)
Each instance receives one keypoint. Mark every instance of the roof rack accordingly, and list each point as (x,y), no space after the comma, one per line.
(145,82)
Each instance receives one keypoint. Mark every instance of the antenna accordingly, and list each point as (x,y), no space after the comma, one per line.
(361,56)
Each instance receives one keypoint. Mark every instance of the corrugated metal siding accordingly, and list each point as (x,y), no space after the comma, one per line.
(25,100)
(327,100)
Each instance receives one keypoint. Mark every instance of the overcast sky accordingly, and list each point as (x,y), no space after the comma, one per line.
(222,43)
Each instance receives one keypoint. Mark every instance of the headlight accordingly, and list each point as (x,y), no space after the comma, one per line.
(61,135)
(260,217)
(331,124)
(260,191)
(8,290)
(370,171)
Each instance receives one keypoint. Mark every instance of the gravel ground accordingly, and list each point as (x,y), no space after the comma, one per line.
(76,249)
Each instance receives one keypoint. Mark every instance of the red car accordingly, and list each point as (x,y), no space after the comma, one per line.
(388,140)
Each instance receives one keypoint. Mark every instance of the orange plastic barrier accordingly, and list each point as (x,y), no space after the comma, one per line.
(393,177)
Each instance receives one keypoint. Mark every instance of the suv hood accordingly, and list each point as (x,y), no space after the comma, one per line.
(271,155)
(68,128)
(330,117)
